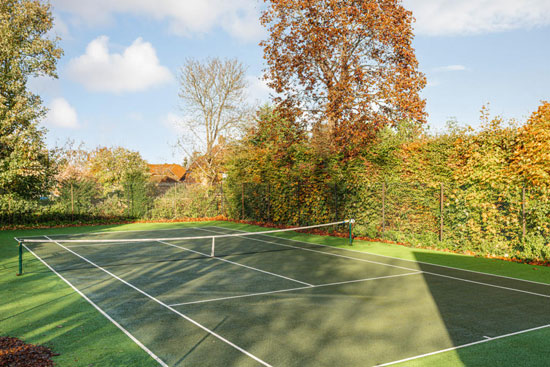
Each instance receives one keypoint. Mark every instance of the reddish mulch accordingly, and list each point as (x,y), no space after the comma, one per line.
(17,353)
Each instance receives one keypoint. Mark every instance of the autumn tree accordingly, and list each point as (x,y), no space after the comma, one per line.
(270,150)
(123,176)
(347,67)
(25,51)
(531,158)
(213,95)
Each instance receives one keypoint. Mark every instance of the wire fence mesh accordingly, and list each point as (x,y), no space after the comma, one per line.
(510,222)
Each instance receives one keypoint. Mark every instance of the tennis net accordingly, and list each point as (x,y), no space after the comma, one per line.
(208,240)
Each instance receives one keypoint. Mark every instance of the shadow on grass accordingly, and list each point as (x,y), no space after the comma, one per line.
(475,308)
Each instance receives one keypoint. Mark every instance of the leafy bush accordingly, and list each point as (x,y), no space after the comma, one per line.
(535,247)
(188,201)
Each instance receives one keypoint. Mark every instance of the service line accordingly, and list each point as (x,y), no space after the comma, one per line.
(294,289)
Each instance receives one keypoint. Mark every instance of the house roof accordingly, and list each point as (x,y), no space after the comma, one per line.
(167,172)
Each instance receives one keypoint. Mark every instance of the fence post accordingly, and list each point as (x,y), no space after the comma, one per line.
(336,202)
(268,202)
(441,213)
(175,199)
(72,202)
(523,219)
(221,197)
(383,207)
(242,200)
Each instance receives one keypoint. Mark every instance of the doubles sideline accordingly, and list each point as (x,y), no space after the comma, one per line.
(390,257)
(133,338)
(399,267)
(216,335)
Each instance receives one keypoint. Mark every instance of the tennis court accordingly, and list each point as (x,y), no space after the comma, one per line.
(267,300)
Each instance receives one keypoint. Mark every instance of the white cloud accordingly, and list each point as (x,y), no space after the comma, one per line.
(451,68)
(185,17)
(466,17)
(136,69)
(62,114)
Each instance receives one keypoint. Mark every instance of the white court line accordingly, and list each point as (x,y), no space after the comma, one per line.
(168,307)
(464,345)
(392,257)
(112,243)
(148,230)
(321,252)
(133,338)
(234,263)
(116,231)
(489,285)
(293,289)
(400,267)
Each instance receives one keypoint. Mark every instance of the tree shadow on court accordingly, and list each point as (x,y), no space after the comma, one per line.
(477,308)
(176,340)
(395,316)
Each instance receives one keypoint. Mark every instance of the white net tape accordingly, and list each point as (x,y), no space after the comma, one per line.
(213,237)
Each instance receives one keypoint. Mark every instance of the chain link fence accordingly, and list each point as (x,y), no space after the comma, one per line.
(513,222)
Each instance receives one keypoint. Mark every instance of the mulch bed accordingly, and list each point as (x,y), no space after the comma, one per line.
(17,353)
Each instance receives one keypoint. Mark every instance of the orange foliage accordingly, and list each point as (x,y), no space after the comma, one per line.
(346,67)
(531,158)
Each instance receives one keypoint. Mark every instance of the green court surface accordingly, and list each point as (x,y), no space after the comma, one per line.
(279,301)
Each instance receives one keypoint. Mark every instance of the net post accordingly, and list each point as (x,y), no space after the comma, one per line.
(20,244)
(350,223)
(212,252)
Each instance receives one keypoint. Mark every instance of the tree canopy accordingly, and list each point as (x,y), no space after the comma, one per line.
(25,51)
(531,158)
(348,67)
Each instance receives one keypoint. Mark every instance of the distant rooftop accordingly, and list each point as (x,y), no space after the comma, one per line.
(167,172)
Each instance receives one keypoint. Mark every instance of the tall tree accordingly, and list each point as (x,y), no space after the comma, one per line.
(346,66)
(213,95)
(25,51)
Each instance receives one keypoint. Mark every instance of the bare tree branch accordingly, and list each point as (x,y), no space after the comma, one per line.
(213,96)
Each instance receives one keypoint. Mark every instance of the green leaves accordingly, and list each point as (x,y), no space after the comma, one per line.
(26,170)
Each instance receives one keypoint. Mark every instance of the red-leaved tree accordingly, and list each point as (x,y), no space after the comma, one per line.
(346,67)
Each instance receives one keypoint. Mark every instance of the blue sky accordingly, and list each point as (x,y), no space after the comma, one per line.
(118,77)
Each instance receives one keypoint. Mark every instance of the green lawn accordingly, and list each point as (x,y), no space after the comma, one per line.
(40,308)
